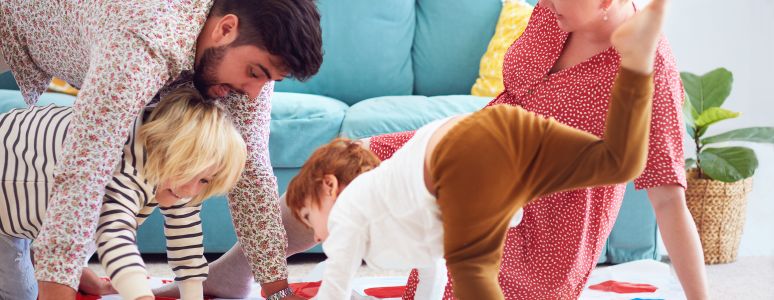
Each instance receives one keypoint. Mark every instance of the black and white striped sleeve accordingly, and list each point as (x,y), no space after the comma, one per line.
(185,250)
(116,241)
(127,202)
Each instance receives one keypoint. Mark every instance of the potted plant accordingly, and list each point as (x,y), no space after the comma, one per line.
(719,178)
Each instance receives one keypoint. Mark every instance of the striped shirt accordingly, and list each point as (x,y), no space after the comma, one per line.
(31,142)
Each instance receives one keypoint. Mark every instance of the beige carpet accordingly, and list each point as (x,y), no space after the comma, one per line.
(750,278)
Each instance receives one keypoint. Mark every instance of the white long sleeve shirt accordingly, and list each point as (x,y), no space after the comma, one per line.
(386,217)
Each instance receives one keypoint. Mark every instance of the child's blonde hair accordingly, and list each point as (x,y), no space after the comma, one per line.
(186,135)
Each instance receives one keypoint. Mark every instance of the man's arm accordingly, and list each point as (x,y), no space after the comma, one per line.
(254,201)
(123,75)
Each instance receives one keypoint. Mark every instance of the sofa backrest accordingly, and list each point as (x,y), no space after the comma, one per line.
(400,47)
(367,50)
(450,39)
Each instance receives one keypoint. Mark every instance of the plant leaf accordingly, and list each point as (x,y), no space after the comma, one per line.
(708,90)
(693,89)
(690,114)
(714,115)
(690,163)
(751,134)
(728,164)
(691,132)
(701,131)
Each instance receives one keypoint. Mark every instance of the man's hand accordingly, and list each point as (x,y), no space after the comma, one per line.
(271,288)
(54,291)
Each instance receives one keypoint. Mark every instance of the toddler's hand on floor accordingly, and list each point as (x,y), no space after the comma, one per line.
(100,287)
(106,288)
(92,284)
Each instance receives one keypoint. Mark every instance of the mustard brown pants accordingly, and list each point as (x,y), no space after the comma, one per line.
(495,161)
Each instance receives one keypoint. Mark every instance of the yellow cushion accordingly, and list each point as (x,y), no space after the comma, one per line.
(60,86)
(513,20)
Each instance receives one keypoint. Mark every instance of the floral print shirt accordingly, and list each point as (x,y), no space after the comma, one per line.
(121,54)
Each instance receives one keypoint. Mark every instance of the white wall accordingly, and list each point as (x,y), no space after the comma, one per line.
(737,35)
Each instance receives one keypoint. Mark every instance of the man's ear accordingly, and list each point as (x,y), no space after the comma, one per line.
(226,30)
(330,185)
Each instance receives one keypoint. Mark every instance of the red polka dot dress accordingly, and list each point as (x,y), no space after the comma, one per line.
(552,252)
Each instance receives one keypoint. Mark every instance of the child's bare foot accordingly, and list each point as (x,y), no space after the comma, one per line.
(637,38)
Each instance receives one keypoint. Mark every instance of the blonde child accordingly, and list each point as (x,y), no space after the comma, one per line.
(443,194)
(179,153)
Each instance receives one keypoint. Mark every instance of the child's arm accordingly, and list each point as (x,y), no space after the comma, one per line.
(116,243)
(185,251)
(94,285)
(116,232)
(345,248)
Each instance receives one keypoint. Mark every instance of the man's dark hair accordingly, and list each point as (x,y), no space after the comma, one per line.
(289,29)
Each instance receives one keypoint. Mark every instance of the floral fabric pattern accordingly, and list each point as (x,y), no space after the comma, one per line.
(120,54)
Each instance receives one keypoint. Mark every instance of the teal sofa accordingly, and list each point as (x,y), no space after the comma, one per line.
(388,66)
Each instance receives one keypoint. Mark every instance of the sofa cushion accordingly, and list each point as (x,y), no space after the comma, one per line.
(402,113)
(7,82)
(10,99)
(450,39)
(514,18)
(367,50)
(300,123)
(635,234)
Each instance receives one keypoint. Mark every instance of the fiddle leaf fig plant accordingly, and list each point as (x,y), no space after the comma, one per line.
(705,94)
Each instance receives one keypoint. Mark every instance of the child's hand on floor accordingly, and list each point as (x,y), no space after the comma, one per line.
(101,288)
(94,285)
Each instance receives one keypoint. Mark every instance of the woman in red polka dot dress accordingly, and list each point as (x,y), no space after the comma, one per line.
(563,67)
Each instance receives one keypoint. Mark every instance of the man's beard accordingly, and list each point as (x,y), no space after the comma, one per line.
(204,72)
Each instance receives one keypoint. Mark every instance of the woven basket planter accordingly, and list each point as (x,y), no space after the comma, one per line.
(718,208)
